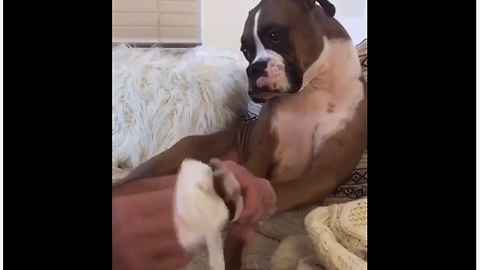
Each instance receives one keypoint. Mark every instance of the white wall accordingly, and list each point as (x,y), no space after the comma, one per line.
(222,21)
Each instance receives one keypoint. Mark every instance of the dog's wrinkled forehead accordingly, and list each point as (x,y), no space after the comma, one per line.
(273,28)
(262,21)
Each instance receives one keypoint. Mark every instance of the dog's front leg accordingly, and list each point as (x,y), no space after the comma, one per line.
(312,186)
(258,162)
(234,246)
(233,252)
(262,143)
(200,147)
(260,158)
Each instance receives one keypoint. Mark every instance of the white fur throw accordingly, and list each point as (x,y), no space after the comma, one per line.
(162,95)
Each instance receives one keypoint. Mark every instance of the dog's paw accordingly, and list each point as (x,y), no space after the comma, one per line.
(228,188)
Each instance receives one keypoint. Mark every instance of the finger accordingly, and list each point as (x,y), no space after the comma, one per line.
(267,193)
(238,170)
(252,202)
(269,198)
(230,164)
(266,204)
(260,215)
(253,190)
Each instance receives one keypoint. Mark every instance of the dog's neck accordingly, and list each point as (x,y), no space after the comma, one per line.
(337,65)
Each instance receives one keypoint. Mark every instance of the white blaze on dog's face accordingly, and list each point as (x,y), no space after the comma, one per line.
(281,40)
(269,62)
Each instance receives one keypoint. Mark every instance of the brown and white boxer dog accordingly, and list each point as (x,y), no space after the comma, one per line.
(312,129)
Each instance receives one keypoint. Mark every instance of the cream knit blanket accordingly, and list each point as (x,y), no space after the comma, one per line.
(336,239)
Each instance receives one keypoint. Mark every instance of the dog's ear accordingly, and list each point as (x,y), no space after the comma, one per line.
(328,7)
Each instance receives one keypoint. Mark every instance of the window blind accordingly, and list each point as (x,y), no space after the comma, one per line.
(156,21)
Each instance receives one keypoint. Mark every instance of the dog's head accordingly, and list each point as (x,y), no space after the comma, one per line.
(281,39)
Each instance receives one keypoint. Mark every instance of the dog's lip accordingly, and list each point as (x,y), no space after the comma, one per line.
(261,90)
(262,96)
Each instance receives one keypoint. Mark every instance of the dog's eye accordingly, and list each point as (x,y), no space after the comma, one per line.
(274,37)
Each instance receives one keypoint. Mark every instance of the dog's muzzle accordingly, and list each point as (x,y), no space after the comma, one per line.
(257,69)
(267,76)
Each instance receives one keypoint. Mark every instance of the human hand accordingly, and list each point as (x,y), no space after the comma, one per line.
(259,201)
(143,233)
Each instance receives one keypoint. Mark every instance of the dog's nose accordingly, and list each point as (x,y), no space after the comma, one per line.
(257,69)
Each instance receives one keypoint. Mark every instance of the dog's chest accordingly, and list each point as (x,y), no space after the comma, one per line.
(302,125)
(296,136)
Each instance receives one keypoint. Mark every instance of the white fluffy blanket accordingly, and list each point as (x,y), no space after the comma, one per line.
(162,95)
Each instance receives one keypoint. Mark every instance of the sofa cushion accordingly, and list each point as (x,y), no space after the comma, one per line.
(356,185)
(363,55)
